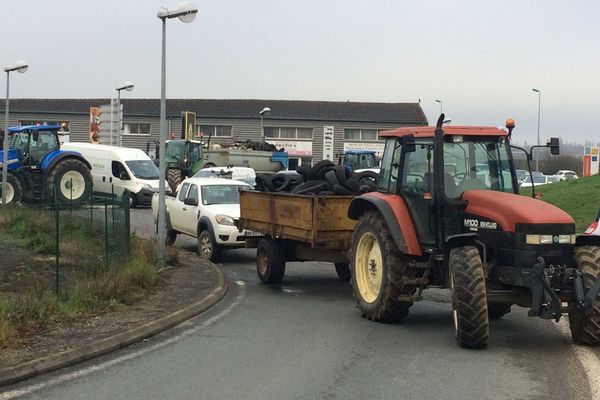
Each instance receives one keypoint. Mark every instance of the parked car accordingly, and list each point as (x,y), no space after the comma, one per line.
(565,174)
(538,179)
(207,209)
(244,174)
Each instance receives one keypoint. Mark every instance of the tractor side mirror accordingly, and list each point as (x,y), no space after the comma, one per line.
(408,143)
(554,146)
(35,135)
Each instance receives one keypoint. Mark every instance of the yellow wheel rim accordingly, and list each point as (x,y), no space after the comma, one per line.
(368,268)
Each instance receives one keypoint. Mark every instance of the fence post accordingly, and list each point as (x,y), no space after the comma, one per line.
(56,216)
(106,231)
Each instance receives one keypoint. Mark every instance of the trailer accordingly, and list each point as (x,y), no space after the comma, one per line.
(297,228)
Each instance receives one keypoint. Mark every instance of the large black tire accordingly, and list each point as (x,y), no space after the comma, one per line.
(173,178)
(208,247)
(72,181)
(270,261)
(343,271)
(469,297)
(498,310)
(587,330)
(380,272)
(14,190)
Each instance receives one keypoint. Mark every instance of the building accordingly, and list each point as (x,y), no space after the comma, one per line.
(309,130)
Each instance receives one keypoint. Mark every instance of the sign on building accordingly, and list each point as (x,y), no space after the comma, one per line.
(591,163)
(95,125)
(293,148)
(328,142)
(106,123)
(188,125)
(376,147)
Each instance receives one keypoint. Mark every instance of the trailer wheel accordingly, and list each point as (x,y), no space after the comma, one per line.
(379,271)
(71,181)
(343,271)
(208,247)
(173,178)
(13,190)
(586,330)
(469,297)
(270,261)
(498,310)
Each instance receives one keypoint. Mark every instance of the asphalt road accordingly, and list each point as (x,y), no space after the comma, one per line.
(306,340)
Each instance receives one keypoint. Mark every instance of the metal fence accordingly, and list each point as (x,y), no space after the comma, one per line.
(67,241)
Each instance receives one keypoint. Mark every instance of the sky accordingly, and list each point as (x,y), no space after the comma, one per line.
(480,58)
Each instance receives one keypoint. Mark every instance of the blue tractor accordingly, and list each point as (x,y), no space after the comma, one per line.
(39,171)
(358,159)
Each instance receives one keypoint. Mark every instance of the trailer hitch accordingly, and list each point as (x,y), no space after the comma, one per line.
(545,302)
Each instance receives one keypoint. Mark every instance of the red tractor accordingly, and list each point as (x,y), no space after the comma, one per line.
(448,213)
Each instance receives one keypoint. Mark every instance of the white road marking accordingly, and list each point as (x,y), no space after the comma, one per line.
(589,361)
(107,364)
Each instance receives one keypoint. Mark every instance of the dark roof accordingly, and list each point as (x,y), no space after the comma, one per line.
(401,113)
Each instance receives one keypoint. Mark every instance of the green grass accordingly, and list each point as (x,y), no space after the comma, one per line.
(580,198)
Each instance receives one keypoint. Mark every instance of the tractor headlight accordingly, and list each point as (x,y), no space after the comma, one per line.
(549,239)
(224,220)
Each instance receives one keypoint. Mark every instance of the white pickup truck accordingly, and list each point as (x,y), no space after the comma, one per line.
(207,209)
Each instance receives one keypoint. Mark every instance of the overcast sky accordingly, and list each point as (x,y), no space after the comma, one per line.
(480,58)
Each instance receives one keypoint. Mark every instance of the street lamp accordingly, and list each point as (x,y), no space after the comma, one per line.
(537,158)
(20,66)
(441,104)
(265,111)
(186,12)
(129,87)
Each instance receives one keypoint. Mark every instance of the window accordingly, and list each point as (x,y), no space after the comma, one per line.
(135,128)
(288,133)
(360,134)
(183,192)
(64,125)
(214,130)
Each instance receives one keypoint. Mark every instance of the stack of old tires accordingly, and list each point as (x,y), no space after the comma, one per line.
(323,179)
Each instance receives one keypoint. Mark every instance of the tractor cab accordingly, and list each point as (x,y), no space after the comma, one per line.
(358,159)
(33,143)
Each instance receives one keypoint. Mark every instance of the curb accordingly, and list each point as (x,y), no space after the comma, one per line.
(69,357)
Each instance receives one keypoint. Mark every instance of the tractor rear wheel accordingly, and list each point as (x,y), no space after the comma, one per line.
(14,190)
(71,181)
(379,271)
(270,261)
(469,297)
(586,330)
(173,178)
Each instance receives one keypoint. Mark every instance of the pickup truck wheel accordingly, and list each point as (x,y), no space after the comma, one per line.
(469,297)
(208,248)
(343,271)
(586,329)
(171,237)
(270,261)
(380,272)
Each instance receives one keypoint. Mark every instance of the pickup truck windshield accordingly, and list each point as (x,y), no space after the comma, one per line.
(143,169)
(221,194)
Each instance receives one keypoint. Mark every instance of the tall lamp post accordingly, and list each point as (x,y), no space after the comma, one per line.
(537,158)
(186,12)
(441,104)
(20,66)
(129,87)
(265,111)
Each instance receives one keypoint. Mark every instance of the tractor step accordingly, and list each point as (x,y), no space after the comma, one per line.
(414,281)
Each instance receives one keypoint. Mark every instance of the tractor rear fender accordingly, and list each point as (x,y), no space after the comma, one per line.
(52,158)
(394,212)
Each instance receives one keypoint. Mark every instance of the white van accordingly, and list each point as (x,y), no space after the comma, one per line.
(122,167)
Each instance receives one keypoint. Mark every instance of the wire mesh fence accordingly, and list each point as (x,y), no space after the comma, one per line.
(61,242)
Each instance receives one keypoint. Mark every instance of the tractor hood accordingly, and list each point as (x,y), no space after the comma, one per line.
(508,209)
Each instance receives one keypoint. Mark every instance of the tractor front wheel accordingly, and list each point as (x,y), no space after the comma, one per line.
(13,190)
(379,271)
(469,297)
(586,329)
